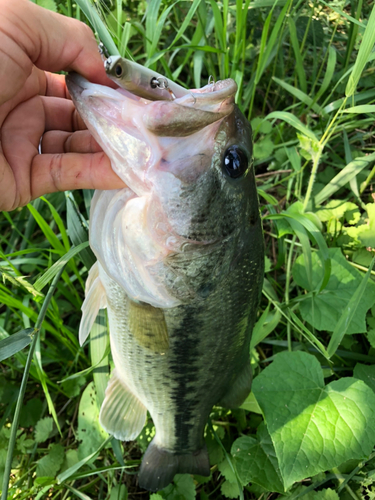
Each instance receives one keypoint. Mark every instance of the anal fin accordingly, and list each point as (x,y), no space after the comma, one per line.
(159,466)
(240,389)
(121,414)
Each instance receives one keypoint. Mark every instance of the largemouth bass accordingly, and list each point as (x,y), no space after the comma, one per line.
(180,265)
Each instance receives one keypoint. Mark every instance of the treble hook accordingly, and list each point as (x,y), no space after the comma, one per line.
(161,83)
(103,51)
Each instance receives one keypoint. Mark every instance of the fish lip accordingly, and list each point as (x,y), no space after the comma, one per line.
(222,90)
(77,80)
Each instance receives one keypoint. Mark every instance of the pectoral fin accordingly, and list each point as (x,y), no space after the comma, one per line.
(147,324)
(121,414)
(95,300)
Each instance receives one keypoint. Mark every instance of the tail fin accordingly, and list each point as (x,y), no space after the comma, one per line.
(160,466)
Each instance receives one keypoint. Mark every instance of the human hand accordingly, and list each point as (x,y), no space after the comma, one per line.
(35,105)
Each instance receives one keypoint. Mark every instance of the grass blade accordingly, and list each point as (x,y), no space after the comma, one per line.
(72,470)
(343,177)
(293,121)
(343,323)
(98,26)
(298,94)
(42,281)
(297,52)
(363,55)
(15,343)
(264,326)
(99,341)
(330,71)
(14,427)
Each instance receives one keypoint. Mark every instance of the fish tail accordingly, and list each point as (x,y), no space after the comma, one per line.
(159,466)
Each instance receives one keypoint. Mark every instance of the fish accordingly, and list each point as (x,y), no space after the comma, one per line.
(180,265)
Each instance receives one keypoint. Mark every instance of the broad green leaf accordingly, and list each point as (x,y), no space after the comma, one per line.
(326,494)
(72,387)
(183,488)
(43,429)
(50,464)
(15,343)
(47,4)
(314,427)
(229,489)
(156,496)
(343,177)
(365,373)
(256,461)
(227,471)
(338,209)
(263,148)
(118,492)
(365,233)
(324,310)
(31,412)
(251,404)
(89,431)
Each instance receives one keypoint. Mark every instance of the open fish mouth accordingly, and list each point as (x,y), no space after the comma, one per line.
(136,133)
(165,152)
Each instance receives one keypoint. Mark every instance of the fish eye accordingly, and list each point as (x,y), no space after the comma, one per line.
(118,70)
(235,162)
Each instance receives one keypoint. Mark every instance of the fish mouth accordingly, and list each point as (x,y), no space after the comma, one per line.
(137,134)
(213,97)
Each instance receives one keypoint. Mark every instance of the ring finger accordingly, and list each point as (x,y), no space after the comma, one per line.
(58,141)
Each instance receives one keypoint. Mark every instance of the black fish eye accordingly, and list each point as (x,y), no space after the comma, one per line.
(235,162)
(118,70)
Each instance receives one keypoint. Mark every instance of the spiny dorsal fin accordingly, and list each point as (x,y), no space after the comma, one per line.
(147,324)
(121,414)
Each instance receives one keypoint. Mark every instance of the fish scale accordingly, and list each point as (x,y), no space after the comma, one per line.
(180,266)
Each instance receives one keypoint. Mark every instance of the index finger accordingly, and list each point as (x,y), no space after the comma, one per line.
(31,35)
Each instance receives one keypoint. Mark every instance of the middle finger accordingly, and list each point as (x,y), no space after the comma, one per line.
(60,114)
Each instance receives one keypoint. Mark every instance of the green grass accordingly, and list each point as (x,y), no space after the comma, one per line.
(305,75)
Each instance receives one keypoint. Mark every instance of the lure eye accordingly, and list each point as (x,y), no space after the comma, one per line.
(118,70)
(235,162)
